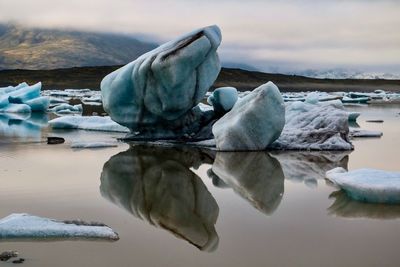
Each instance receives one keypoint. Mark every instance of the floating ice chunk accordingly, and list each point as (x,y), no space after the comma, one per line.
(55,100)
(39,103)
(254,122)
(312,98)
(24,94)
(92,103)
(358,100)
(368,185)
(93,123)
(29,227)
(15,99)
(321,126)
(364,133)
(67,109)
(94,144)
(8,89)
(223,99)
(94,98)
(353,116)
(163,85)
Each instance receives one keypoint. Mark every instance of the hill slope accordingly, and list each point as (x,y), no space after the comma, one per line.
(23,48)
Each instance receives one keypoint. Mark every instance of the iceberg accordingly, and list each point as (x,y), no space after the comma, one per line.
(24,94)
(155,95)
(93,123)
(156,185)
(23,227)
(38,104)
(320,126)
(23,99)
(254,122)
(223,99)
(368,185)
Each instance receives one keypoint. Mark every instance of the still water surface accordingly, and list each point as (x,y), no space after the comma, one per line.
(170,209)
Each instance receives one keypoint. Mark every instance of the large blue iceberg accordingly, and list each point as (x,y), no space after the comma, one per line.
(156,95)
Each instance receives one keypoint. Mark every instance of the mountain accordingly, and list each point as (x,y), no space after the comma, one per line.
(32,48)
(339,73)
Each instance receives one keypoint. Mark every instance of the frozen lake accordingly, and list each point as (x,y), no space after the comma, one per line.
(271,209)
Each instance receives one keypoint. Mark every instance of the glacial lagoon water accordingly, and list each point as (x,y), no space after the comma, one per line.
(170,209)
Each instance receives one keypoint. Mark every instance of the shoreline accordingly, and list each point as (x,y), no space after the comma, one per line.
(243,80)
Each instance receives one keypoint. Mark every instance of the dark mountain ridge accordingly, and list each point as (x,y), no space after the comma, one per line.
(32,48)
(90,77)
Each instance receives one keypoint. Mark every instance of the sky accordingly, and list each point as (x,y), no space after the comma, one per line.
(280,36)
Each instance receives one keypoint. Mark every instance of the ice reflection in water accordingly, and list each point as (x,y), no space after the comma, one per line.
(156,185)
(255,176)
(310,166)
(23,126)
(345,207)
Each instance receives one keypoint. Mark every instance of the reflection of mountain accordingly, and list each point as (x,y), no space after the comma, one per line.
(310,166)
(156,185)
(348,208)
(23,126)
(256,176)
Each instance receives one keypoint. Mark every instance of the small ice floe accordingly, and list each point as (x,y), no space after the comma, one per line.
(368,185)
(93,123)
(94,144)
(57,100)
(356,100)
(94,98)
(29,227)
(92,103)
(67,109)
(223,99)
(364,133)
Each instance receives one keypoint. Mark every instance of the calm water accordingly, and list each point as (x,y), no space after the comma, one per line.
(263,209)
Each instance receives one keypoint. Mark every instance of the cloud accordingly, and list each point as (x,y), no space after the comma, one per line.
(309,33)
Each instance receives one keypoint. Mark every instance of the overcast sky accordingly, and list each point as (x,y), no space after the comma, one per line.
(270,35)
